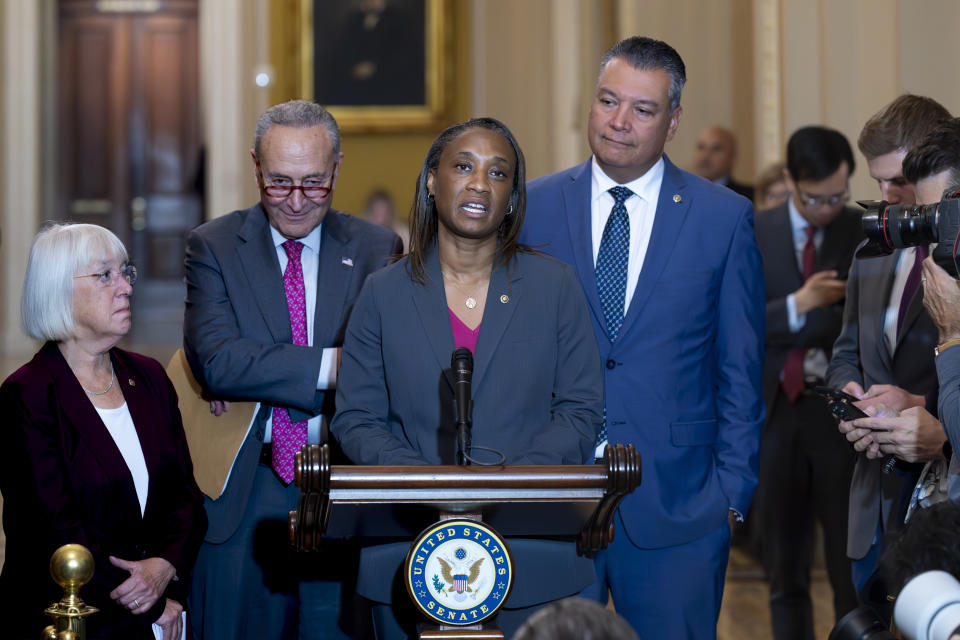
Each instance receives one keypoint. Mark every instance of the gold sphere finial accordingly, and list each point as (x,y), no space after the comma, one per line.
(71,566)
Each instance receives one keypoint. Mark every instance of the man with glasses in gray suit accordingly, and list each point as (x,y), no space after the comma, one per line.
(269,292)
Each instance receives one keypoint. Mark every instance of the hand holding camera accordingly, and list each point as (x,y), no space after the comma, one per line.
(941,297)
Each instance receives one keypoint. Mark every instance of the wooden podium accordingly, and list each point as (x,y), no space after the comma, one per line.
(575,501)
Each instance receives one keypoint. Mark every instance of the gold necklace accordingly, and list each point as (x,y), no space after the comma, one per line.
(471,301)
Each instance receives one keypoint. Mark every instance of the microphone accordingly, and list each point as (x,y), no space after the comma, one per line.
(462,364)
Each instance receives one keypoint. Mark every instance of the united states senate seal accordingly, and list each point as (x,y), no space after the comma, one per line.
(459,572)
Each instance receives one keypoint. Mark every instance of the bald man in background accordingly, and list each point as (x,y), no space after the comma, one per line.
(714,158)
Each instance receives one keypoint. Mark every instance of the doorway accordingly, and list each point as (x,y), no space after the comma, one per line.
(129,140)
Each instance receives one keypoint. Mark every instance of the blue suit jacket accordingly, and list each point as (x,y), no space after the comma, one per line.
(536,395)
(682,380)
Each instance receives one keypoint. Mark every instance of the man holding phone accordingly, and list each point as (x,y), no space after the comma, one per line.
(884,355)
(807,245)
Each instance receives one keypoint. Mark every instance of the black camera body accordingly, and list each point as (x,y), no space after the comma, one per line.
(897,226)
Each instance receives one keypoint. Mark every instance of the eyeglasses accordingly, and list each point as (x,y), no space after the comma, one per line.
(110,277)
(815,202)
(311,188)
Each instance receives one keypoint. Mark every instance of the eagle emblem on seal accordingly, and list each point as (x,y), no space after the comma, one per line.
(460,582)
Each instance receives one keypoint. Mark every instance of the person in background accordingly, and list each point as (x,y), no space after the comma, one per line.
(94,451)
(379,209)
(575,619)
(772,189)
(807,244)
(714,157)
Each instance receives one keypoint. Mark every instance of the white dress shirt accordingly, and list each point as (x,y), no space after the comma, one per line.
(815,361)
(641,209)
(905,258)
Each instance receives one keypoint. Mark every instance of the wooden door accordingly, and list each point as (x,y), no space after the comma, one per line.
(129,126)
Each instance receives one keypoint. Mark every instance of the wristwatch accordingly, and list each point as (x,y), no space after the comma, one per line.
(946,345)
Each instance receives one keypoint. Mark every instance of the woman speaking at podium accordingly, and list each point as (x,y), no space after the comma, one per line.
(536,383)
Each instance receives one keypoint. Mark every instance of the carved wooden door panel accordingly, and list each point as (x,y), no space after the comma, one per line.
(128,138)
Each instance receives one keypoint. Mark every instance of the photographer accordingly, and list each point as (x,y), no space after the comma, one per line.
(941,297)
(933,166)
(884,355)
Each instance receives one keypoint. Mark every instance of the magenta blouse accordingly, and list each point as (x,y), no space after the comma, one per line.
(463,336)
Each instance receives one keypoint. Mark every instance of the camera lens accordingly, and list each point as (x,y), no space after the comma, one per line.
(895,226)
(860,624)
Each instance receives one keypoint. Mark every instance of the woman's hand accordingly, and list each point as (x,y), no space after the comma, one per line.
(147,582)
(171,620)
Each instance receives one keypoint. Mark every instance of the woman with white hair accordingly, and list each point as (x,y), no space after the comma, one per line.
(93,450)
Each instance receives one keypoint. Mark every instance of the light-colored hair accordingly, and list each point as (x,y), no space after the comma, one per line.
(299,114)
(59,252)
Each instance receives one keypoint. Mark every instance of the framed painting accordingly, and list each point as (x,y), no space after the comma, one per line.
(377,65)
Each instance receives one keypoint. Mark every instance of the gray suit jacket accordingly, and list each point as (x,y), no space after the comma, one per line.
(782,277)
(537,394)
(237,334)
(948,373)
(861,354)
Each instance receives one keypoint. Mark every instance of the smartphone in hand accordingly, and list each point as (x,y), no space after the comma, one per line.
(841,404)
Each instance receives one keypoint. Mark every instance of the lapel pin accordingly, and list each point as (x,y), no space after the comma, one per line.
(504,298)
(676,197)
(347,261)
(131,382)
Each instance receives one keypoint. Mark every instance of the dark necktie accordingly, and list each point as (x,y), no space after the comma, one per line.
(289,437)
(910,288)
(612,262)
(793,366)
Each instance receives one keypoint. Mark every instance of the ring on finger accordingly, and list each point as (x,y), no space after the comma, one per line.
(136,604)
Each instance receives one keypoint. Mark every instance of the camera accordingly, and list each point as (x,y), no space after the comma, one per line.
(928,607)
(861,624)
(897,226)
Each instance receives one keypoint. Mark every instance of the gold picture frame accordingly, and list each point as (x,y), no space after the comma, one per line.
(428,113)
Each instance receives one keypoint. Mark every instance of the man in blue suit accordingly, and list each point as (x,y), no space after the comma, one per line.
(670,267)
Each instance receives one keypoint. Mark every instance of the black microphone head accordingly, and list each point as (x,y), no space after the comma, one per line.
(461,360)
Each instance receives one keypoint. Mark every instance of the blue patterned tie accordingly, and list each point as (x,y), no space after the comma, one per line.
(612,262)
(612,272)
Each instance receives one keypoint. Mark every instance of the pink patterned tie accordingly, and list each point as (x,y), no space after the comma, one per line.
(287,437)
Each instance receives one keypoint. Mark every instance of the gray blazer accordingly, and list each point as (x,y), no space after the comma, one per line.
(237,334)
(537,394)
(861,354)
(948,373)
